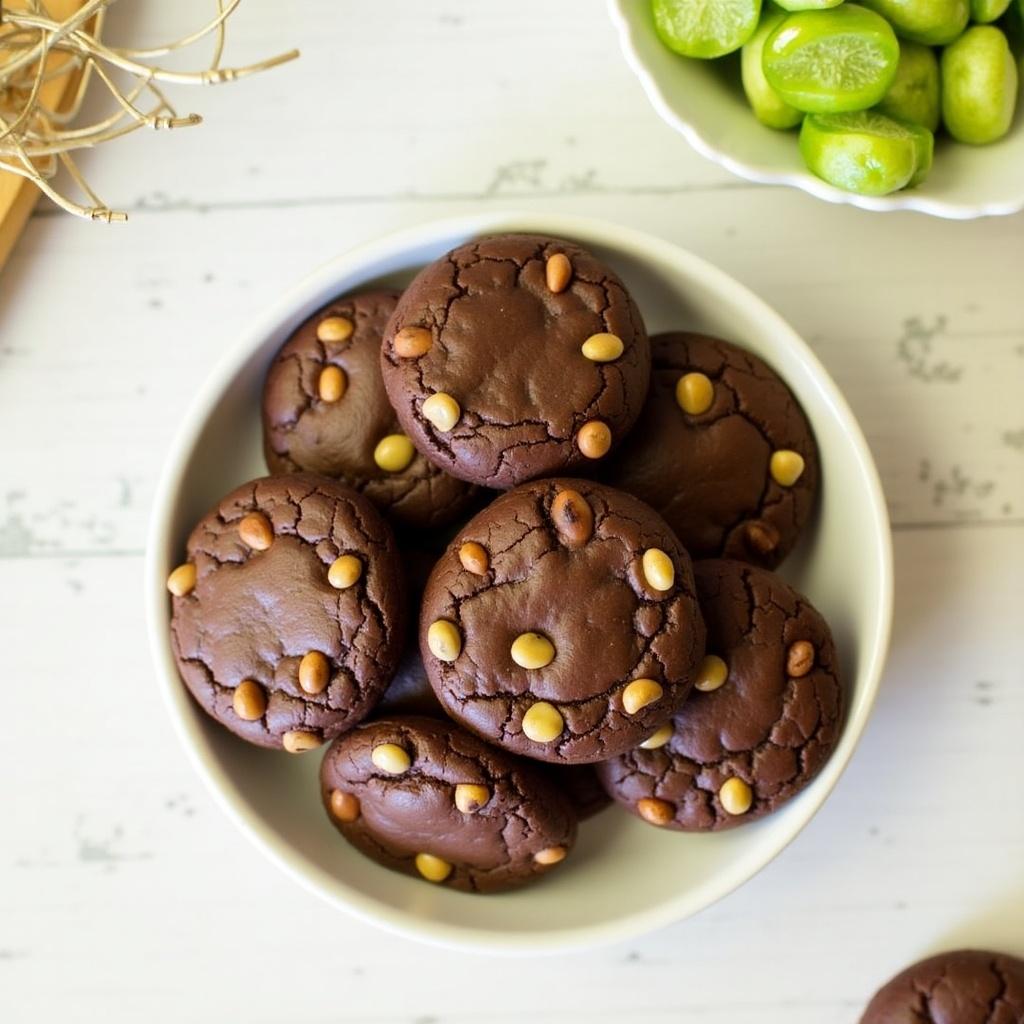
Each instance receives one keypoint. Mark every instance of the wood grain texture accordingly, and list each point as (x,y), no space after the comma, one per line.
(125,895)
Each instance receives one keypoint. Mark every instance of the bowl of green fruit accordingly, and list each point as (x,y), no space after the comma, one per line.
(885,104)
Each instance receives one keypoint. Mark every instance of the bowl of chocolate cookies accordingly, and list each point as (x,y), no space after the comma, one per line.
(519,583)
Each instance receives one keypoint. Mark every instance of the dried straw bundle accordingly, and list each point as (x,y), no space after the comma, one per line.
(39,129)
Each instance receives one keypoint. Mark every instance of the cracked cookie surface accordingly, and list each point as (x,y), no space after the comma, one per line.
(960,987)
(607,655)
(708,472)
(440,803)
(254,614)
(337,435)
(508,349)
(761,730)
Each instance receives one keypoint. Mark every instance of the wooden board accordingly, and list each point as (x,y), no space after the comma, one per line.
(18,195)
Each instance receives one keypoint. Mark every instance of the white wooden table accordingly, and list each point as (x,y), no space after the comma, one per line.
(124,894)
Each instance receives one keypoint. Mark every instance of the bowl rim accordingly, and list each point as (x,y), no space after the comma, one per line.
(906,200)
(343,272)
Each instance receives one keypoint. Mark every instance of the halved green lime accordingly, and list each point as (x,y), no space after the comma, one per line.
(979,86)
(914,93)
(768,106)
(832,61)
(933,22)
(705,28)
(865,152)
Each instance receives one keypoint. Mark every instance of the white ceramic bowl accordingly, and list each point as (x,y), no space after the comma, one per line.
(844,566)
(704,102)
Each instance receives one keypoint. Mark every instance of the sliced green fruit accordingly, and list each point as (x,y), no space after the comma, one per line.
(914,93)
(865,152)
(808,5)
(832,61)
(979,86)
(768,106)
(984,11)
(705,28)
(932,22)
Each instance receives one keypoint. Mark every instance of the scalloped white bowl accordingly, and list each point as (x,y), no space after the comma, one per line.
(844,565)
(704,102)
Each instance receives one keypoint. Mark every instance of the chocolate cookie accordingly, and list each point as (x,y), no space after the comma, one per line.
(325,411)
(562,622)
(965,987)
(764,719)
(722,450)
(422,796)
(287,618)
(516,357)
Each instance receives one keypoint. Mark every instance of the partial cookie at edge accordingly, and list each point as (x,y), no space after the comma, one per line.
(960,987)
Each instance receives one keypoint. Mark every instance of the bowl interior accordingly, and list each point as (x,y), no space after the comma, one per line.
(843,565)
(704,101)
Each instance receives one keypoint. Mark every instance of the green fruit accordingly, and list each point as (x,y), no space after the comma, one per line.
(705,28)
(914,93)
(768,106)
(932,22)
(832,61)
(865,152)
(984,11)
(807,5)
(979,86)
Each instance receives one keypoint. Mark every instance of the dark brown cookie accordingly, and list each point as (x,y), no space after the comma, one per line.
(562,622)
(765,716)
(716,450)
(423,796)
(325,411)
(288,617)
(964,987)
(516,357)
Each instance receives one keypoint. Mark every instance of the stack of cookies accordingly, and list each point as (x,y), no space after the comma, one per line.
(514,562)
